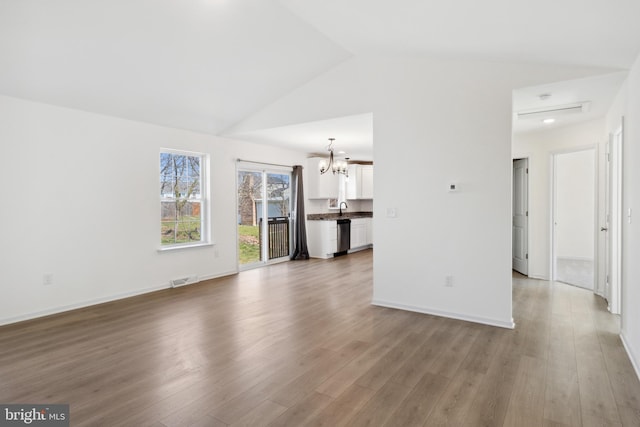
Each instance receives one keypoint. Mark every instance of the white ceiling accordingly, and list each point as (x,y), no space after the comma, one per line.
(353,136)
(599,91)
(573,32)
(207,64)
(199,64)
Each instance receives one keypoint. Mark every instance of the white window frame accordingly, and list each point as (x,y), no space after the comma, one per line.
(205,221)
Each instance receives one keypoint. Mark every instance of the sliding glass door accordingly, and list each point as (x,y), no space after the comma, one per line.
(264,206)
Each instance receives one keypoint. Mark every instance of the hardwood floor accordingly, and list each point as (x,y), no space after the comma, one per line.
(298,344)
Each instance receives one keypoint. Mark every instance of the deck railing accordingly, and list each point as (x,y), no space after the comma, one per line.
(278,229)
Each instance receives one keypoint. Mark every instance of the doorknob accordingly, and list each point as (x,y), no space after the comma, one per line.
(604,229)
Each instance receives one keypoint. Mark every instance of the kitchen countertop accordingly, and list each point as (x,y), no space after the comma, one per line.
(336,216)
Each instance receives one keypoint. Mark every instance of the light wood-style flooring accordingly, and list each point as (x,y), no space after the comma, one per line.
(298,344)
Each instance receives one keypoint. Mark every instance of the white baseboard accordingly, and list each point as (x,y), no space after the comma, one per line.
(88,303)
(360,248)
(635,362)
(426,310)
(574,258)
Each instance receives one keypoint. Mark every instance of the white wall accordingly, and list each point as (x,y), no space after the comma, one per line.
(539,148)
(575,203)
(435,122)
(81,202)
(630,317)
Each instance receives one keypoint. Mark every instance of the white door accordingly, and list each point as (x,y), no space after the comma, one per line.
(607,218)
(613,223)
(520,261)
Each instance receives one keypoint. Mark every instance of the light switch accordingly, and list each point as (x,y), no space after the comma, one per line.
(392,212)
(629,215)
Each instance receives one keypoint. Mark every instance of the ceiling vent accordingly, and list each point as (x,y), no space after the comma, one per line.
(541,113)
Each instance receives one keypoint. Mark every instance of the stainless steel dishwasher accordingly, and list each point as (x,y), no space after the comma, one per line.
(344,236)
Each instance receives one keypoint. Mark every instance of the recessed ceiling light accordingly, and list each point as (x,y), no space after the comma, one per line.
(548,121)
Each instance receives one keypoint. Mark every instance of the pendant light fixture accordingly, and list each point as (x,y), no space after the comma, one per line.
(336,166)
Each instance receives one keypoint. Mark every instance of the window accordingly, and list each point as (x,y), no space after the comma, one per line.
(182,198)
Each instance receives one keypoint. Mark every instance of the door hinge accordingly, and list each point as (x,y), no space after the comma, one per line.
(527,170)
(526,213)
(526,256)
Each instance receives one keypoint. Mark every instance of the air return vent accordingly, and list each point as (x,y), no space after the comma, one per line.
(183,281)
(554,111)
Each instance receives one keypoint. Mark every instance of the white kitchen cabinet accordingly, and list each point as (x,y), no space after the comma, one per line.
(320,186)
(366,186)
(322,238)
(359,233)
(369,231)
(360,184)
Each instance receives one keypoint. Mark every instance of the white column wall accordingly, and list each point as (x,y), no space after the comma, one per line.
(630,317)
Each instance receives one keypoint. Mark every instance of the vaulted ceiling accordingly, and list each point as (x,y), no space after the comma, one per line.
(207,64)
(198,64)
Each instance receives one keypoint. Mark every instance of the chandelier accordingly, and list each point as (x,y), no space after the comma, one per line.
(336,166)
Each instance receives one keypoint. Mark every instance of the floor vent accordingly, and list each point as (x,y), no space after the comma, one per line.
(183,281)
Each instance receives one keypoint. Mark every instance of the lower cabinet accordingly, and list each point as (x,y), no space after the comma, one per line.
(322,238)
(361,237)
(358,233)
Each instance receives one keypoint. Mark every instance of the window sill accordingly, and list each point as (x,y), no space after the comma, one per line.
(187,246)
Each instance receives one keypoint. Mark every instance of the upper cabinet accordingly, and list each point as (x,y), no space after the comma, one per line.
(320,186)
(360,184)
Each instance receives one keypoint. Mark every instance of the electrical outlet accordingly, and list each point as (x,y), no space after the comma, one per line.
(448,281)
(47,279)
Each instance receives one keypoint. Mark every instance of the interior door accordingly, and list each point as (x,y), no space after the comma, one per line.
(520,259)
(607,219)
(613,222)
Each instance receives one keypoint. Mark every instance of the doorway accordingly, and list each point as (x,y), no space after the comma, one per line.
(264,208)
(574,213)
(520,212)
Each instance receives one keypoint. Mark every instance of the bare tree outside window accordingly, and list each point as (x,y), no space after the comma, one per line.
(181,198)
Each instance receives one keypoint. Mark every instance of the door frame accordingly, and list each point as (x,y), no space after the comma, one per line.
(553,208)
(528,192)
(264,170)
(613,220)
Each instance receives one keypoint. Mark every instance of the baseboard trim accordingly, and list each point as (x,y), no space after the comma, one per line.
(96,301)
(441,313)
(574,258)
(630,353)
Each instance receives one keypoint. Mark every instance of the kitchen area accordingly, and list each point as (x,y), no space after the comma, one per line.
(338,189)
(340,208)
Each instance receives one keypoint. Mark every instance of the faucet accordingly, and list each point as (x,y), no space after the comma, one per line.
(345,206)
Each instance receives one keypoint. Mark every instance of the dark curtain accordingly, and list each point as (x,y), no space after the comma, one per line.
(300,250)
